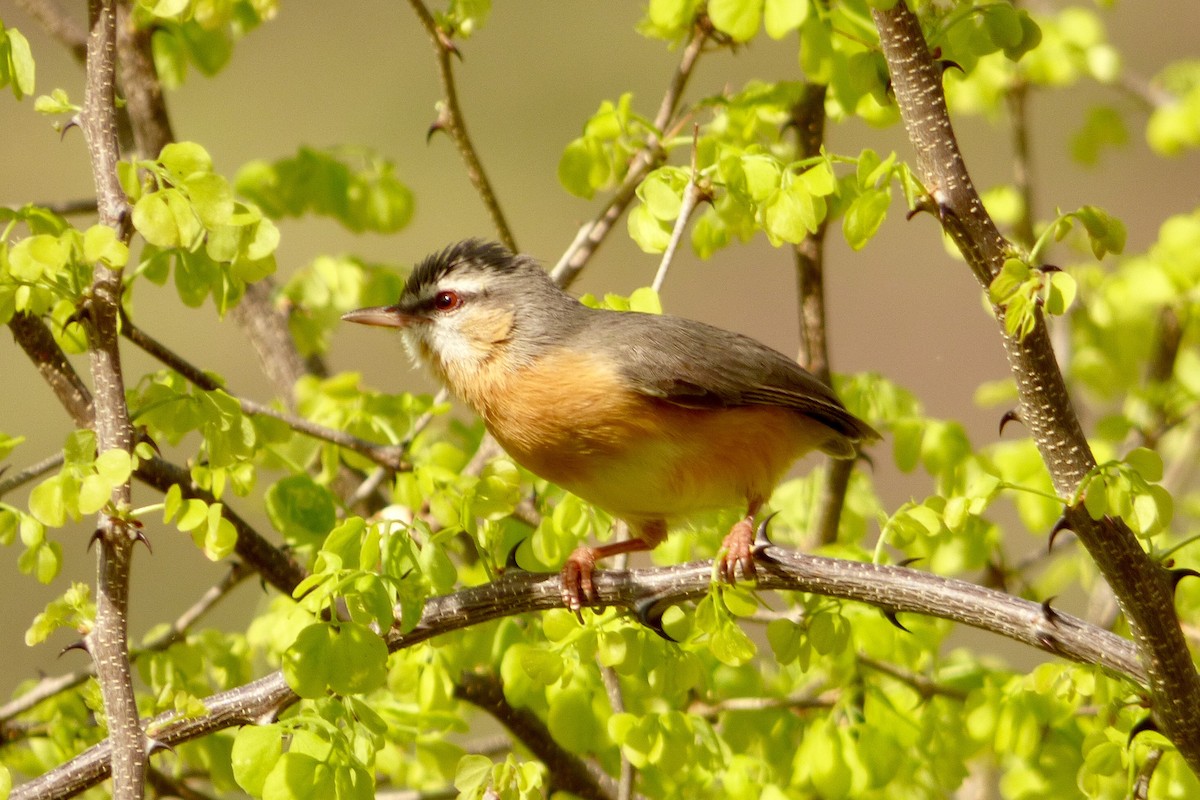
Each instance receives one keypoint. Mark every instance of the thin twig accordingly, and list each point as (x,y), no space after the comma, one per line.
(31,473)
(1141,784)
(65,208)
(692,194)
(815,697)
(388,456)
(450,119)
(61,26)
(616,701)
(1017,98)
(924,686)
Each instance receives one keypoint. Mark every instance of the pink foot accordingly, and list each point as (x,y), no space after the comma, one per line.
(737,553)
(576,578)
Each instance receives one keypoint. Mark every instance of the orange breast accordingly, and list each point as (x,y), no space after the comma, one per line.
(568,420)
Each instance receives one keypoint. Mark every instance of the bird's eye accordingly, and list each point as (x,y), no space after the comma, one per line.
(446,301)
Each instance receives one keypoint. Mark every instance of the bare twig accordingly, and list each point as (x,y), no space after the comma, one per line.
(450,119)
(65,208)
(390,457)
(692,195)
(616,701)
(1143,589)
(59,25)
(1017,98)
(805,699)
(30,473)
(923,685)
(1141,784)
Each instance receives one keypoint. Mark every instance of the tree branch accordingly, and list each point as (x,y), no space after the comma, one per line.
(568,772)
(390,457)
(450,119)
(107,642)
(897,589)
(1142,588)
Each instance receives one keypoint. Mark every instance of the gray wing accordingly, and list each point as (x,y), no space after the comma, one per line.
(696,365)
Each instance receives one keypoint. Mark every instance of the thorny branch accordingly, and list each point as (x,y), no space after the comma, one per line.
(1142,587)
(107,642)
(897,589)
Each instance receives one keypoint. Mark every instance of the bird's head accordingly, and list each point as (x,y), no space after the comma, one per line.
(472,303)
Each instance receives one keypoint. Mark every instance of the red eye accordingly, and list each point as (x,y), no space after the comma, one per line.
(446,301)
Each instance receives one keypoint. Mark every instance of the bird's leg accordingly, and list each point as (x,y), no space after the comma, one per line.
(737,550)
(576,575)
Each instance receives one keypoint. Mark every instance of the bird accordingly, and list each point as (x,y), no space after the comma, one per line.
(651,418)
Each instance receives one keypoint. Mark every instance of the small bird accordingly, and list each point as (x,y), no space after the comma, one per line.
(651,418)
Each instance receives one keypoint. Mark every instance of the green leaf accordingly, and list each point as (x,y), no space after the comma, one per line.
(100,243)
(21,68)
(791,214)
(1011,276)
(296,776)
(864,216)
(650,233)
(738,18)
(256,748)
(1147,462)
(154,221)
(1061,289)
(182,160)
(301,509)
(472,775)
(48,502)
(1105,232)
(358,660)
(781,17)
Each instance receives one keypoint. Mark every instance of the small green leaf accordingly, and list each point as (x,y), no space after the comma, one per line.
(791,214)
(20,63)
(473,774)
(100,243)
(301,509)
(781,17)
(1147,462)
(256,748)
(1061,290)
(738,18)
(154,221)
(184,159)
(864,216)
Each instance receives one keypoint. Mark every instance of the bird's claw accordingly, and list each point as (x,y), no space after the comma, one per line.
(736,558)
(578,589)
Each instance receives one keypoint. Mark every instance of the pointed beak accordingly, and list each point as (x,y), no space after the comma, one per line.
(380,316)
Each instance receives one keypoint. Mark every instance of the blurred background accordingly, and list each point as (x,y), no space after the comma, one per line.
(364,74)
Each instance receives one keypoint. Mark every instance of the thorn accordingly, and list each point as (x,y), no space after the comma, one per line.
(97,535)
(77,645)
(141,537)
(761,540)
(1048,611)
(510,561)
(947,64)
(890,615)
(73,122)
(145,437)
(650,615)
(909,561)
(1179,574)
(1012,415)
(434,128)
(866,459)
(1059,527)
(1143,725)
(1049,268)
(155,745)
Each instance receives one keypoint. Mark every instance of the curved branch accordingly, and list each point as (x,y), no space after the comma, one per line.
(896,589)
(1142,588)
